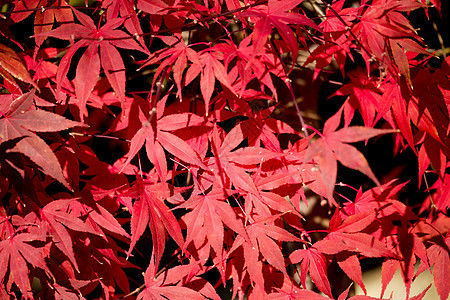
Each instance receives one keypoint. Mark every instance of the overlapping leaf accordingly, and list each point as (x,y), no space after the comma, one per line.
(332,146)
(208,216)
(149,209)
(22,121)
(314,263)
(107,37)
(247,168)
(12,67)
(15,252)
(156,139)
(277,14)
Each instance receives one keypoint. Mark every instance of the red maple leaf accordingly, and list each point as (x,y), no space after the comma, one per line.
(346,240)
(246,68)
(290,290)
(54,220)
(226,165)
(15,252)
(107,38)
(348,237)
(45,16)
(314,263)
(332,146)
(22,121)
(209,213)
(168,285)
(149,209)
(11,66)
(256,123)
(439,257)
(363,96)
(43,22)
(126,10)
(176,56)
(265,236)
(277,14)
(382,28)
(211,69)
(157,135)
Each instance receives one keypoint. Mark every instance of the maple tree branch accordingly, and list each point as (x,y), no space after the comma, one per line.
(433,206)
(297,108)
(288,83)
(317,9)
(100,136)
(441,52)
(444,50)
(159,87)
(137,290)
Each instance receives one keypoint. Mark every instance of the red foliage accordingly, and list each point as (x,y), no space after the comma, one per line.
(206,151)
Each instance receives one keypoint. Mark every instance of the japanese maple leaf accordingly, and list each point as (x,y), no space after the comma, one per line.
(314,263)
(393,98)
(290,291)
(439,256)
(427,115)
(345,240)
(405,108)
(260,127)
(177,57)
(324,54)
(105,38)
(277,14)
(241,63)
(15,252)
(349,263)
(382,28)
(127,10)
(166,285)
(209,213)
(333,23)
(211,69)
(440,198)
(406,246)
(346,247)
(363,96)
(332,146)
(265,237)
(256,124)
(43,22)
(264,199)
(149,209)
(22,121)
(96,216)
(44,18)
(348,237)
(157,135)
(228,162)
(376,199)
(11,66)
(55,221)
